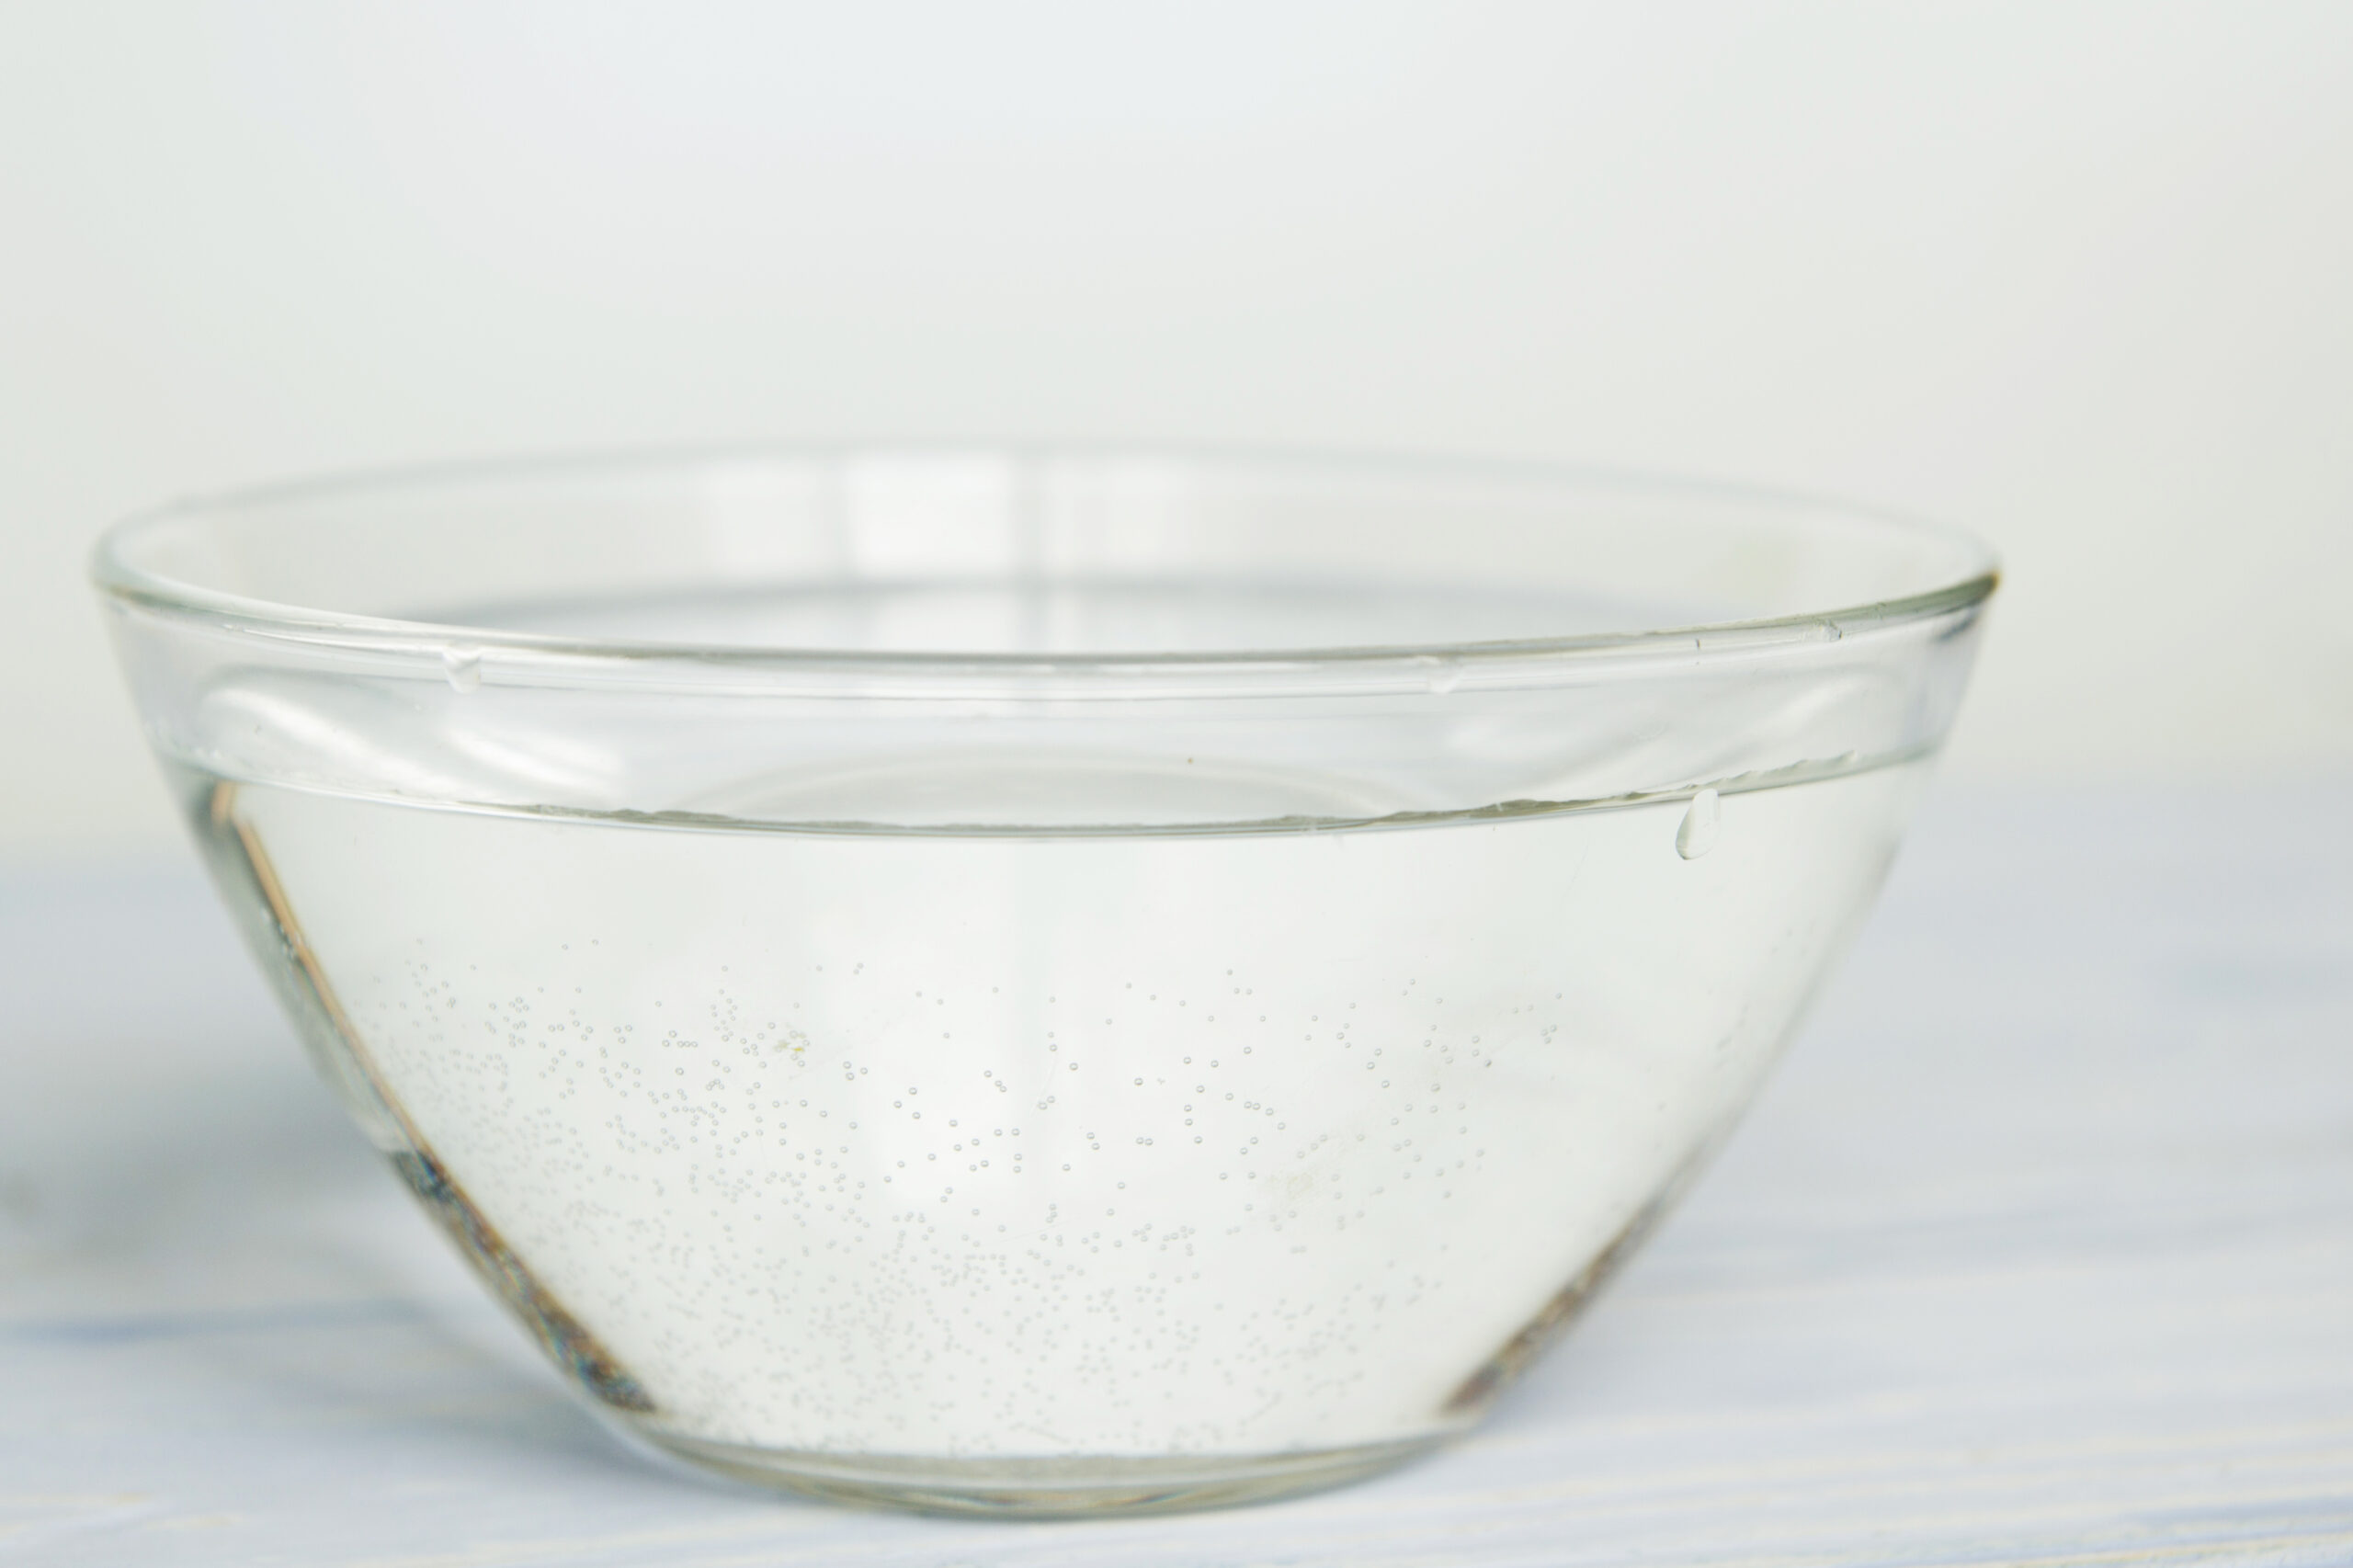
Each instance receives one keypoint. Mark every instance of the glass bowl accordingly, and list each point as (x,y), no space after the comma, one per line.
(1042,981)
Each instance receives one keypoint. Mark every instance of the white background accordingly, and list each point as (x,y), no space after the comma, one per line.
(2079,275)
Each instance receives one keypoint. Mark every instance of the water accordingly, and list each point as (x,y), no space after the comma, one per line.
(997,1146)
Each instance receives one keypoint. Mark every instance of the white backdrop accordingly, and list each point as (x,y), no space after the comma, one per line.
(2079,275)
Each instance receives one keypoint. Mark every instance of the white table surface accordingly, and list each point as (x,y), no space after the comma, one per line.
(2038,1250)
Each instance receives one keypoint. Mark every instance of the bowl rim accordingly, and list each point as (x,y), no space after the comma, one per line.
(131,587)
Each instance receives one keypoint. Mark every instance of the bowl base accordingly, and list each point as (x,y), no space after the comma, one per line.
(1042,1487)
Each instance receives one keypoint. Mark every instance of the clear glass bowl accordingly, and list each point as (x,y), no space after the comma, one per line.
(1041,981)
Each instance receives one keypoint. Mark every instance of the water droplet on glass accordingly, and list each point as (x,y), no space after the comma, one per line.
(1445,674)
(1698,834)
(463,666)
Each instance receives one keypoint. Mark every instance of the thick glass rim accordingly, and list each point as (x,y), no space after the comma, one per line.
(330,632)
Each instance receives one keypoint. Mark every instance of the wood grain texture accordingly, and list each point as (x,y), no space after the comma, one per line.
(2039,1251)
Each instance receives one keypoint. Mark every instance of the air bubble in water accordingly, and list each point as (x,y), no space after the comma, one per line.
(1698,834)
(462,665)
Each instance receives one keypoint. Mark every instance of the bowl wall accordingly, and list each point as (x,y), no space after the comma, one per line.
(1043,981)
